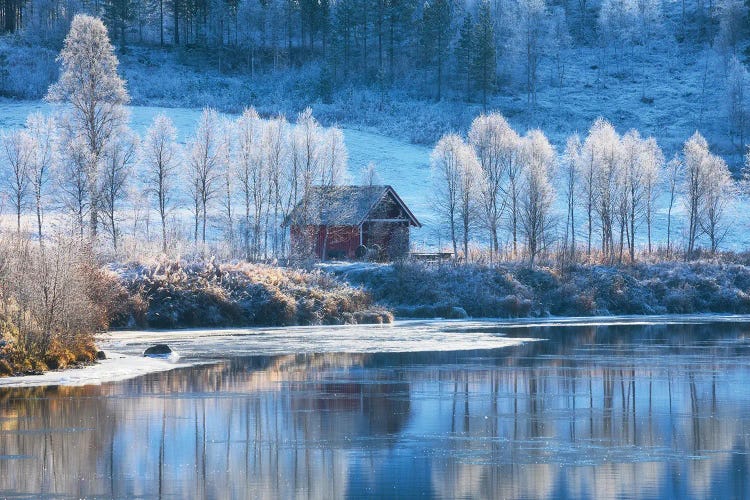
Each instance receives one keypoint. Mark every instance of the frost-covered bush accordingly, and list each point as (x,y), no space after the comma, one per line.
(52,301)
(25,71)
(179,294)
(422,290)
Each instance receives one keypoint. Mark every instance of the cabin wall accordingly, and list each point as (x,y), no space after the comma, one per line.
(310,241)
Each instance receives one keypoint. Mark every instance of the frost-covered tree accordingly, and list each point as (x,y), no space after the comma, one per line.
(651,171)
(117,166)
(618,22)
(586,175)
(531,29)
(160,159)
(699,167)
(17,150)
(306,150)
(560,43)
(333,161)
(44,156)
(205,151)
(251,175)
(229,185)
(602,157)
(717,187)
(649,17)
(469,189)
(369,175)
(732,18)
(305,172)
(447,163)
(333,157)
(641,162)
(737,101)
(74,185)
(95,95)
(674,173)
(276,138)
(496,146)
(571,162)
(538,194)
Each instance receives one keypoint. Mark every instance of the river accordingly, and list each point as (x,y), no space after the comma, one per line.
(627,410)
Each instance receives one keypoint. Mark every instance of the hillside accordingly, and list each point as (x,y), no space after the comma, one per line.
(666,85)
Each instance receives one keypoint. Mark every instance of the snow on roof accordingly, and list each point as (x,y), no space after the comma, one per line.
(343,205)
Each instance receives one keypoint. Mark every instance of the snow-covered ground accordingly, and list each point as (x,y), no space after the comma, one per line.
(116,367)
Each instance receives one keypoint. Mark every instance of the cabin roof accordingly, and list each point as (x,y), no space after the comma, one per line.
(343,206)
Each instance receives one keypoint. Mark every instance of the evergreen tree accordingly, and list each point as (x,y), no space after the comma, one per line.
(436,37)
(11,13)
(118,14)
(314,15)
(176,9)
(483,64)
(465,53)
(400,15)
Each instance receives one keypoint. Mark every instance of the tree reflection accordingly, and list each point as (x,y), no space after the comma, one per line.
(592,411)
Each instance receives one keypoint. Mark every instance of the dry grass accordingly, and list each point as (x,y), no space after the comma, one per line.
(177,294)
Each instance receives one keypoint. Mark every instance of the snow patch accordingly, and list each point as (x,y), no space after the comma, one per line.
(115,368)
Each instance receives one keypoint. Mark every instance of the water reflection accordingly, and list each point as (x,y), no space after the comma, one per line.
(618,411)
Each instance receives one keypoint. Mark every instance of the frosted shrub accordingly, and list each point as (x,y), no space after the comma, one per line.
(193,294)
(51,302)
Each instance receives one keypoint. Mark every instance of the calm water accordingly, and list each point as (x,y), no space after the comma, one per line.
(618,411)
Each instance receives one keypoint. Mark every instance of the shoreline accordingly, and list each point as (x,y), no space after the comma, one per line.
(433,335)
(116,368)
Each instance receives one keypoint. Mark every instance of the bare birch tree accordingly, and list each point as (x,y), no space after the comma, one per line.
(496,146)
(696,156)
(16,157)
(118,162)
(205,153)
(571,164)
(538,194)
(229,186)
(44,157)
(470,186)
(251,176)
(73,192)
(446,167)
(673,177)
(717,193)
(161,156)
(333,158)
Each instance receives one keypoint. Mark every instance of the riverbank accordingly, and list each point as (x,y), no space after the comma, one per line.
(515,291)
(177,294)
(116,367)
(165,295)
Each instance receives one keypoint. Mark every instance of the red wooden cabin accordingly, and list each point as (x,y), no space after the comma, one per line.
(347,222)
